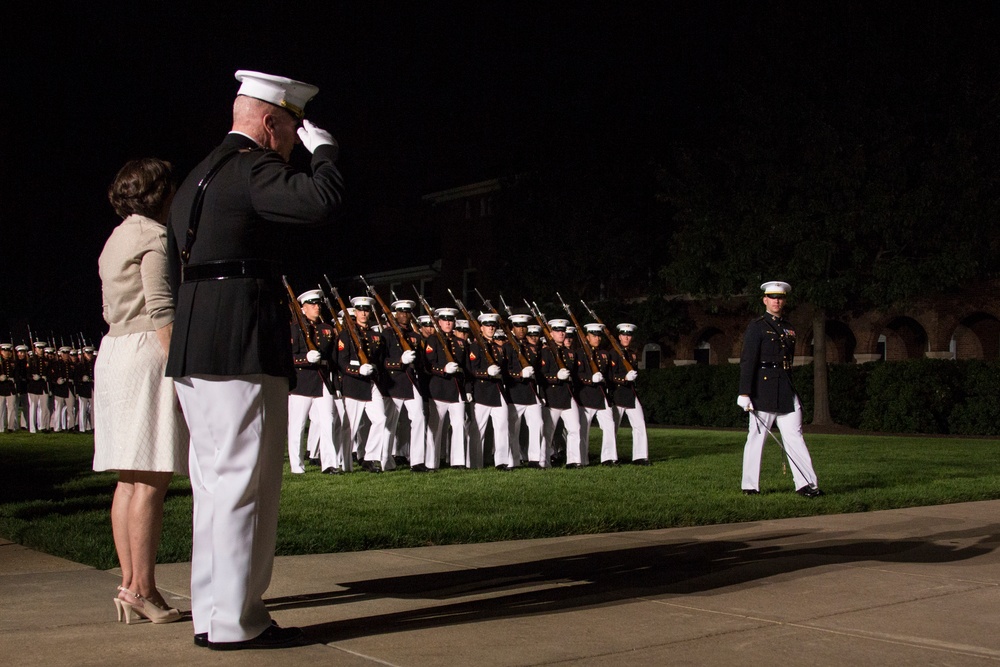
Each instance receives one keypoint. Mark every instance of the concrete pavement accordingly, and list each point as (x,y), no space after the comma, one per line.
(899,587)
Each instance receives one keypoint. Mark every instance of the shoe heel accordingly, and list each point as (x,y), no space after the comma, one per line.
(127,608)
(118,608)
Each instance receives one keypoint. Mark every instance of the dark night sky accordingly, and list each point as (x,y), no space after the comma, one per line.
(421,96)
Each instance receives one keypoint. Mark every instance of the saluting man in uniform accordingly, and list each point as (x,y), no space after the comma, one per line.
(230,353)
(766,392)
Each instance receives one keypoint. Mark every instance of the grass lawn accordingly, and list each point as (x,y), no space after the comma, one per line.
(52,501)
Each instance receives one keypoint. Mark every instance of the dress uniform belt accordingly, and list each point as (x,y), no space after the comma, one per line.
(237,268)
(770,364)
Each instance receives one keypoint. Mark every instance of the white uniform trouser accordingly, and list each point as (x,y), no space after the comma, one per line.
(637,420)
(60,414)
(71,403)
(375,410)
(536,423)
(456,419)
(8,413)
(576,449)
(319,410)
(238,427)
(500,415)
(790,425)
(84,419)
(606,422)
(414,445)
(38,412)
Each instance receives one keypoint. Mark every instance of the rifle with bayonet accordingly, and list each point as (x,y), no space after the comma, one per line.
(390,318)
(298,315)
(476,331)
(611,339)
(511,338)
(581,335)
(349,324)
(334,320)
(546,332)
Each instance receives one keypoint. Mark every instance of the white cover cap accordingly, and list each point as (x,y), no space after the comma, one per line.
(278,90)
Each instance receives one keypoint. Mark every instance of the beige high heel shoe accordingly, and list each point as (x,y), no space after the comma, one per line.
(145,608)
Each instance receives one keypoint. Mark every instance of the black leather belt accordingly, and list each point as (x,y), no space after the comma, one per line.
(258,269)
(770,364)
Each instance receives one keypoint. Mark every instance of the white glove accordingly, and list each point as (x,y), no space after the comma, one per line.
(631,376)
(313,356)
(366,370)
(451,368)
(34,377)
(563,374)
(528,372)
(313,137)
(468,398)
(3,378)
(408,357)
(60,381)
(597,378)
(493,370)
(86,378)
(744,402)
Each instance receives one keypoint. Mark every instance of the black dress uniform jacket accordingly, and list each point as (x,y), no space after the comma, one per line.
(558,393)
(521,390)
(592,395)
(442,386)
(404,381)
(310,378)
(355,385)
(239,326)
(768,350)
(623,395)
(486,390)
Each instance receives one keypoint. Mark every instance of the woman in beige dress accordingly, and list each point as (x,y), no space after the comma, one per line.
(139,430)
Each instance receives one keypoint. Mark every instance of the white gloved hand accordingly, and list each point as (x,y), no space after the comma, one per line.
(597,378)
(313,137)
(3,378)
(86,378)
(493,370)
(313,356)
(631,376)
(408,357)
(60,381)
(451,368)
(563,374)
(528,372)
(744,402)
(468,398)
(366,370)
(35,377)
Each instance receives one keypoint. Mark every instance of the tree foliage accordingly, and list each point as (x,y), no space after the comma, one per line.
(853,156)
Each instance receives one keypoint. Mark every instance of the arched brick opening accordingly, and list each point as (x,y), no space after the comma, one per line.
(977,336)
(840,343)
(902,338)
(711,347)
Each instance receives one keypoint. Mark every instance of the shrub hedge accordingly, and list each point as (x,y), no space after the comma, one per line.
(919,396)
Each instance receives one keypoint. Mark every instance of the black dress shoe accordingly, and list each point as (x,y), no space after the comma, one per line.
(273,637)
(331,471)
(371,466)
(401,461)
(572,466)
(751,492)
(610,463)
(201,639)
(314,462)
(420,467)
(809,491)
(641,462)
(532,464)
